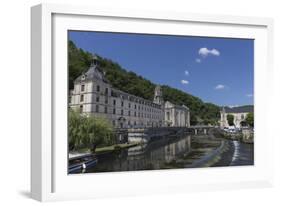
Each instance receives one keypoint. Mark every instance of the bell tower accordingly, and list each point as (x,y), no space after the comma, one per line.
(223,121)
(158,98)
(95,61)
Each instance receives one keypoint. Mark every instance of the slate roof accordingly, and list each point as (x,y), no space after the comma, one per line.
(94,72)
(241,109)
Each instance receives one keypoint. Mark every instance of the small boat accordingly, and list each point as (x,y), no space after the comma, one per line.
(80,164)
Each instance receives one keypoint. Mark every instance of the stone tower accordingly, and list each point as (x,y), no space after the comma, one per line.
(158,98)
(223,121)
(95,61)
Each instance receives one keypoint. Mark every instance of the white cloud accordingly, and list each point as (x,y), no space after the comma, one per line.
(249,95)
(220,87)
(184,81)
(204,52)
(198,60)
(186,72)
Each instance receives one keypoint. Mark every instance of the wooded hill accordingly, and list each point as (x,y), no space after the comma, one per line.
(128,81)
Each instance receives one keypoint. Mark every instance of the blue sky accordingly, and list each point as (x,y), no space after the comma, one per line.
(217,70)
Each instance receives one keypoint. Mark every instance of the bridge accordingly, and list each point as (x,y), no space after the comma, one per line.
(150,133)
(201,129)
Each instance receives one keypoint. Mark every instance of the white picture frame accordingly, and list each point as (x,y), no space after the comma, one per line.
(49,181)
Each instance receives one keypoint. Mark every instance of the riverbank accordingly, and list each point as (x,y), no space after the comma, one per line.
(100,150)
(246,136)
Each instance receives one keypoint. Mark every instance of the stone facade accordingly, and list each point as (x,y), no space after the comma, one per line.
(238,114)
(176,116)
(93,94)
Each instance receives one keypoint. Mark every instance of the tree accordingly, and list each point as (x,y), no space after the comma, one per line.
(230,119)
(100,132)
(75,132)
(250,119)
(78,62)
(88,131)
(193,120)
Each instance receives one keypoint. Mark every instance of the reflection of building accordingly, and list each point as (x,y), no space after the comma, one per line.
(175,149)
(239,114)
(153,156)
(176,116)
(93,94)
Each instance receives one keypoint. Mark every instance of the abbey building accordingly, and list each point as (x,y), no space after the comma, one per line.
(94,95)
(239,115)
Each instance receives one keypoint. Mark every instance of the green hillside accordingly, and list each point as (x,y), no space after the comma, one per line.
(130,82)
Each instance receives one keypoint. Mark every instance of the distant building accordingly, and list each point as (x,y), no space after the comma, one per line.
(239,114)
(94,95)
(176,116)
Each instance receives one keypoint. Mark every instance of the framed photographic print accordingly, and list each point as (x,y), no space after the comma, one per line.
(135,102)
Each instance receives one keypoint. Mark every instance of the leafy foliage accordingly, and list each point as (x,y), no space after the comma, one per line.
(84,131)
(78,62)
(250,119)
(130,82)
(230,119)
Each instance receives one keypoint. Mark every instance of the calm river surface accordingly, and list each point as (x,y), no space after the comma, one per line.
(174,152)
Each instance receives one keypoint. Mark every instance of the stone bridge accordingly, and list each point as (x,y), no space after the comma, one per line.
(151,133)
(199,129)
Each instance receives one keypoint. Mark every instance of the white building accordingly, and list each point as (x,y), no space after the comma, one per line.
(176,116)
(93,94)
(239,114)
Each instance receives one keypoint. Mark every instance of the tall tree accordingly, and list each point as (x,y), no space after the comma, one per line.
(88,131)
(230,119)
(250,119)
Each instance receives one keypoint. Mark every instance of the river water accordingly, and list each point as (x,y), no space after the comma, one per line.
(175,152)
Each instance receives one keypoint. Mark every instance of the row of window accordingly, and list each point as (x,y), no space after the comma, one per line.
(135,114)
(130,98)
(122,104)
(134,123)
(82,89)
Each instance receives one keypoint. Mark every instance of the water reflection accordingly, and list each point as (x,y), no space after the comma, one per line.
(155,155)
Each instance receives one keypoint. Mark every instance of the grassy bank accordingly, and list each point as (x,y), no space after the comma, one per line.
(106,149)
(115,147)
